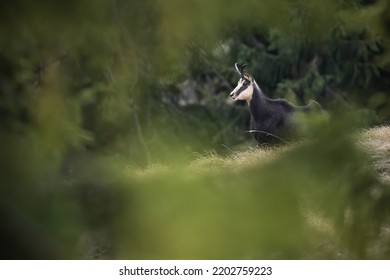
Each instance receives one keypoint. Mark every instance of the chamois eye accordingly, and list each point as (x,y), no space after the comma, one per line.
(246,82)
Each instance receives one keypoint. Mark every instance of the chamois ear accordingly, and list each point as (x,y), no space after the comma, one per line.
(247,76)
(242,69)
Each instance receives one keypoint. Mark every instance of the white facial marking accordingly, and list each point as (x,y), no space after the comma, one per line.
(243,95)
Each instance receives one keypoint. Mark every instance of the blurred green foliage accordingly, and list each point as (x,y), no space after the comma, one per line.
(91,91)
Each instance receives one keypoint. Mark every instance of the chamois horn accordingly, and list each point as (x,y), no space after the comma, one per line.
(239,71)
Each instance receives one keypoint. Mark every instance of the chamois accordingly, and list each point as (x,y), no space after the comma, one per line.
(271,119)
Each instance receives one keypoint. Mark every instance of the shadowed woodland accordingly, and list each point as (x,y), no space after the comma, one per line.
(118,138)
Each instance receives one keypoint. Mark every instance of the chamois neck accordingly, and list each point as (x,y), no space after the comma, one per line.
(256,103)
(257,92)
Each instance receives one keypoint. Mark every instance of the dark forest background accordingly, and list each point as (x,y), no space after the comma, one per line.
(93,92)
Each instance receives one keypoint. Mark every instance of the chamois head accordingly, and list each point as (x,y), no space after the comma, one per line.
(244,88)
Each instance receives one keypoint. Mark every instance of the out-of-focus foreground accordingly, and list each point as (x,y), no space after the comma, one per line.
(118,139)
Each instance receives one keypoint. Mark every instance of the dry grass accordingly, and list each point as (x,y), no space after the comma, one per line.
(238,161)
(151,170)
(376,141)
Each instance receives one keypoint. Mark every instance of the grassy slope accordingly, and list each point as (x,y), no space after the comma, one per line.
(296,201)
(374,141)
